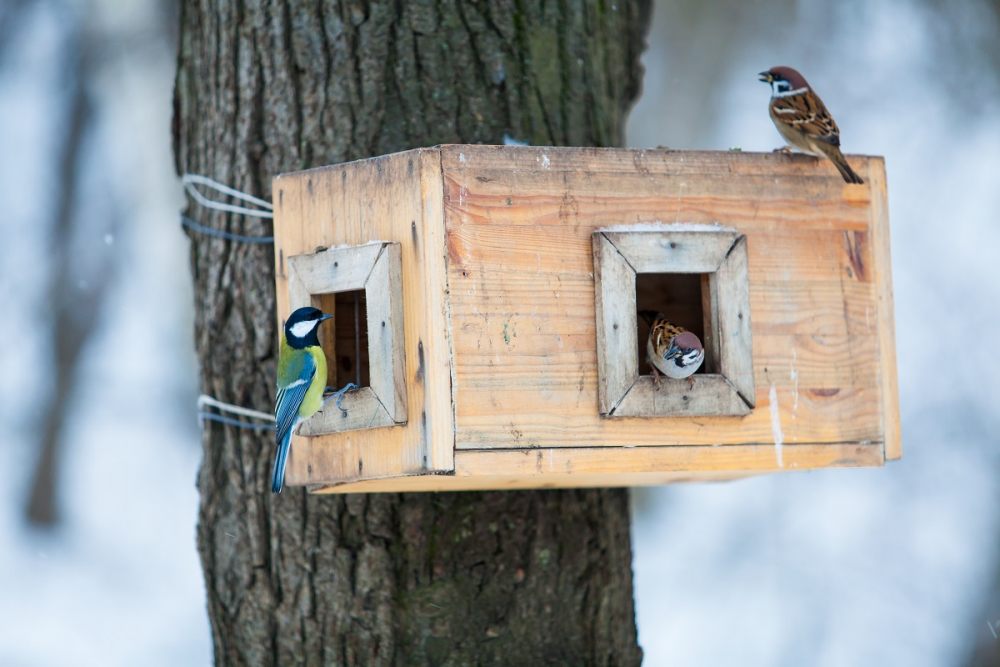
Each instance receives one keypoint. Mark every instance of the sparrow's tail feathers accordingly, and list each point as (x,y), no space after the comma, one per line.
(280,459)
(845,170)
(649,316)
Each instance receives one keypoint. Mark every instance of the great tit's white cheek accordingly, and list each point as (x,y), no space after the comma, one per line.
(302,329)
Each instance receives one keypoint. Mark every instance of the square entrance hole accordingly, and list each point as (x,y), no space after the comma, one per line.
(682,298)
(355,284)
(698,277)
(346,342)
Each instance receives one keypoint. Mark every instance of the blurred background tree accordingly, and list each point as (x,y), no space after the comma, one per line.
(83,216)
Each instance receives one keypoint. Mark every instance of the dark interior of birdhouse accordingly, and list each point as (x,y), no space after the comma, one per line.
(684,298)
(346,341)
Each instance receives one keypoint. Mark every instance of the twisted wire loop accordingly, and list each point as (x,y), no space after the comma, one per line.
(263,209)
(205,401)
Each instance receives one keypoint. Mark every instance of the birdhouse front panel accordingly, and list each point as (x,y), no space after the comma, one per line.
(363,241)
(536,274)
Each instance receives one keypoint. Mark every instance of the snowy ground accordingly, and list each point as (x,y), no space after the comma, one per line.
(848,567)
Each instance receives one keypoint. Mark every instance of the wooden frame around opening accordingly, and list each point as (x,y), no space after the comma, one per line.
(375,268)
(721,253)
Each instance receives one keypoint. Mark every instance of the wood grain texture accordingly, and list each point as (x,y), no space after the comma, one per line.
(710,322)
(520,268)
(701,395)
(889,376)
(359,409)
(614,300)
(674,251)
(613,466)
(384,294)
(519,285)
(354,204)
(331,270)
(732,294)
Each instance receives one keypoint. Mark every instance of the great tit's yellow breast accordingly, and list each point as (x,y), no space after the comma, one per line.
(314,396)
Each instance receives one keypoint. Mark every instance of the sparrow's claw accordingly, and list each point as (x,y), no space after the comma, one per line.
(690,380)
(785,150)
(656,375)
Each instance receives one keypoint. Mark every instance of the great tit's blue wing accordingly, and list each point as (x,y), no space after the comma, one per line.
(292,390)
(295,374)
(286,409)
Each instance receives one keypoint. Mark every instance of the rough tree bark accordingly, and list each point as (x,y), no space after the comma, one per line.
(267,86)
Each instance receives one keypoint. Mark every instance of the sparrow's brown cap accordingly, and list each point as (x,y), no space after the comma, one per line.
(792,76)
(687,341)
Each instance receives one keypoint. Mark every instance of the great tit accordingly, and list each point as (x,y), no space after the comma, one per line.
(301,380)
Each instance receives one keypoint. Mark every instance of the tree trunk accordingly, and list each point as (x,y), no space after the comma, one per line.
(268,86)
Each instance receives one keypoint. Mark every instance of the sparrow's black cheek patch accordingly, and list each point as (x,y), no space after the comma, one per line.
(681,298)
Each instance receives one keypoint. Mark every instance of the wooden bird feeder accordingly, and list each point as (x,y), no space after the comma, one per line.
(486,301)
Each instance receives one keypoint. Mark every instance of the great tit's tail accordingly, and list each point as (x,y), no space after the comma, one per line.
(280,459)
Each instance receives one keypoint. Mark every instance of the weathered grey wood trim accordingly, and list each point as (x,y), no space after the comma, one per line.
(704,395)
(736,341)
(384,296)
(614,291)
(358,409)
(374,267)
(668,251)
(334,270)
(721,254)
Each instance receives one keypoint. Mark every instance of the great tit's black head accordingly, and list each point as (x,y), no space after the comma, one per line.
(783,80)
(300,328)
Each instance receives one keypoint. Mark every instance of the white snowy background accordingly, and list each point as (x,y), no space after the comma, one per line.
(894,566)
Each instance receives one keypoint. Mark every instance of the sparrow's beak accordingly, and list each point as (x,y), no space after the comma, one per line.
(765,77)
(326,316)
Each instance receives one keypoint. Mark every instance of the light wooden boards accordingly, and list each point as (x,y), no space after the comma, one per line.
(888,376)
(519,225)
(499,314)
(615,466)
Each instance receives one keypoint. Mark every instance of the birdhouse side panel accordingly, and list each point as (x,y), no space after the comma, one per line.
(395,198)
(882,270)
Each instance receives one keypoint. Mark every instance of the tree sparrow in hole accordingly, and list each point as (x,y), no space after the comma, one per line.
(671,350)
(802,118)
